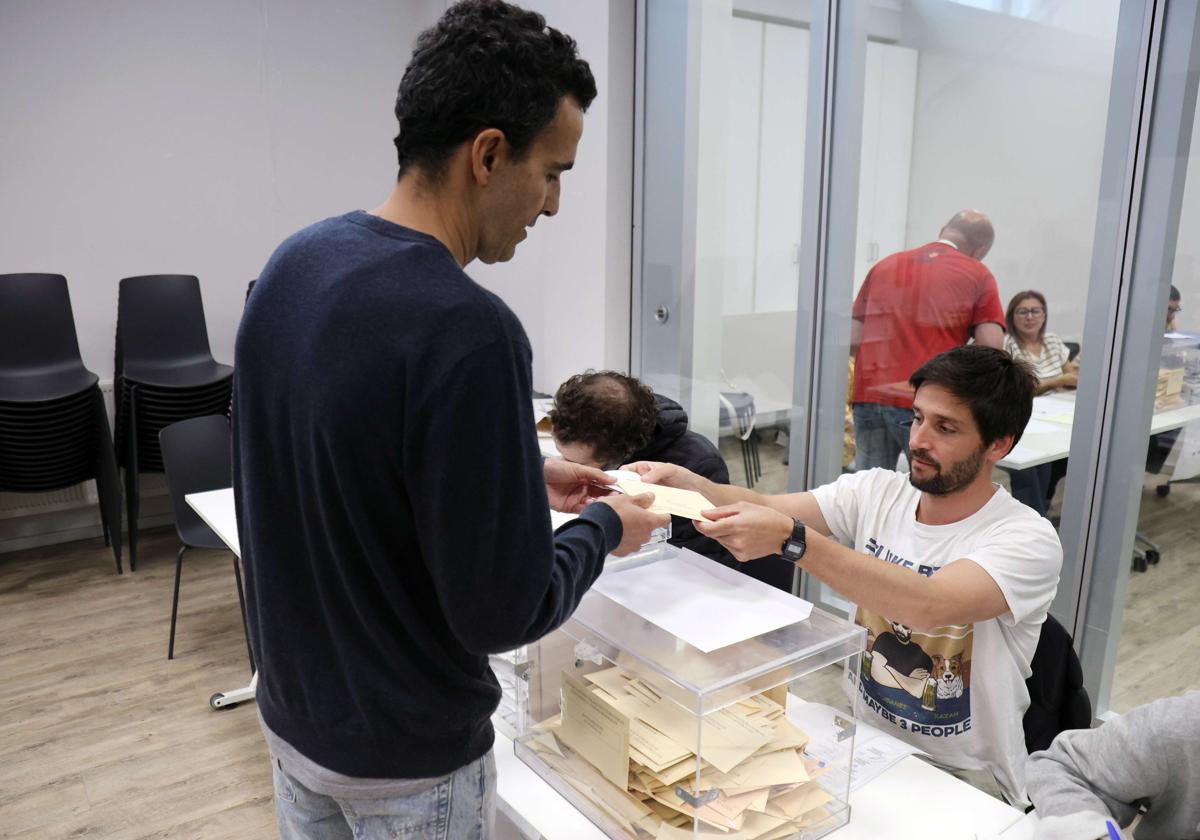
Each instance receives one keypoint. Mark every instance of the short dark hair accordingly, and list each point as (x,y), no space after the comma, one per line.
(1174,293)
(613,413)
(484,64)
(998,388)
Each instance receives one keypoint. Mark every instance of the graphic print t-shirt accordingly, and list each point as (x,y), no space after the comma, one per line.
(956,692)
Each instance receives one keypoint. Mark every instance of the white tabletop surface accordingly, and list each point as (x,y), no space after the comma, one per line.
(1049,439)
(898,805)
(215,507)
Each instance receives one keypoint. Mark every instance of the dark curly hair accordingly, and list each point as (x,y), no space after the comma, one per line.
(613,413)
(484,64)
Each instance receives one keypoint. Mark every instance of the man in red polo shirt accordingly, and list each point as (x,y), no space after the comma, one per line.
(912,306)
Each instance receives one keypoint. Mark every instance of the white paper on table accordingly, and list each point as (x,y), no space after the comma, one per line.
(1053,406)
(1023,453)
(1041,427)
(702,602)
(874,750)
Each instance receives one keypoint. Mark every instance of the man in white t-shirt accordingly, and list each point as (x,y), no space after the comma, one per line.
(951,576)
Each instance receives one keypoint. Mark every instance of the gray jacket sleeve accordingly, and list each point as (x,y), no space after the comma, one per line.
(1141,756)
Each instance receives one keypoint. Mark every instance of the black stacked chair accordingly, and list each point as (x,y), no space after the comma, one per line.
(165,373)
(54,430)
(197,455)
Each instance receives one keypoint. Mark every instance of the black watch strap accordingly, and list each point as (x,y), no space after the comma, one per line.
(794,546)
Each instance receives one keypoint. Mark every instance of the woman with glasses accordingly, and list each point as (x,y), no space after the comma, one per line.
(1028,341)
(1049,357)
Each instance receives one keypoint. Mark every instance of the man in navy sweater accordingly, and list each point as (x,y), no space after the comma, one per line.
(391,499)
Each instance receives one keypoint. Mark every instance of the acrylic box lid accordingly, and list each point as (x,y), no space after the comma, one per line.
(636,639)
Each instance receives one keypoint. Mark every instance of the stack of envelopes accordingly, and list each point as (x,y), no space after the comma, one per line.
(631,752)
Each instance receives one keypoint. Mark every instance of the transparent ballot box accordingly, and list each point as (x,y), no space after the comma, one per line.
(522,695)
(684,699)
(513,670)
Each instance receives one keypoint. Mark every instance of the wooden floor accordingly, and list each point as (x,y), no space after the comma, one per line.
(102,737)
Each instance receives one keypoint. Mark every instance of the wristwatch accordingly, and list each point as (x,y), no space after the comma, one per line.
(794,546)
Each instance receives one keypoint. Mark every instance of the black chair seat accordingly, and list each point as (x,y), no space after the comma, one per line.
(198,373)
(201,536)
(36,385)
(44,483)
(180,412)
(68,416)
(27,432)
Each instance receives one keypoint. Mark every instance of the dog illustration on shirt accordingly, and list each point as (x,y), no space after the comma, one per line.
(947,670)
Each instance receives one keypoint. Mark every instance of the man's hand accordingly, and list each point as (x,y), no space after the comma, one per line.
(636,520)
(749,531)
(671,475)
(571,486)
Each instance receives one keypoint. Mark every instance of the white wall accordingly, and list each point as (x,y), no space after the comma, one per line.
(1186,275)
(1010,118)
(144,137)
(570,281)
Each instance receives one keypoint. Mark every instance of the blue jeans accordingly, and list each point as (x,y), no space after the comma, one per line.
(461,806)
(880,435)
(1035,485)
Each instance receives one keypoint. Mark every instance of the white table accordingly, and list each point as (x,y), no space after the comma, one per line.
(215,507)
(1049,439)
(901,804)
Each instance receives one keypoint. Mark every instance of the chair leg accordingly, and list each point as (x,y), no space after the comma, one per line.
(108,482)
(103,522)
(132,497)
(237,575)
(175,600)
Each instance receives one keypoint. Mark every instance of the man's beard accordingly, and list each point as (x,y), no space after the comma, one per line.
(946,481)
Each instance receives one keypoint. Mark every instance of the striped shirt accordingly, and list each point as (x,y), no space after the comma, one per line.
(1050,363)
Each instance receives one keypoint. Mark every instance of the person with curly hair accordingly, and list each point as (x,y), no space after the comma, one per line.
(382,567)
(604,419)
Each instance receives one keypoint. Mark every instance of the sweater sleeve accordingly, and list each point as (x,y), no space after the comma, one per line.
(474,475)
(1106,770)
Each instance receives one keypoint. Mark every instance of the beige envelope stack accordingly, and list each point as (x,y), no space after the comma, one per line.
(631,752)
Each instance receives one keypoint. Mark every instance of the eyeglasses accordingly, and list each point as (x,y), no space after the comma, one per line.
(1031,313)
